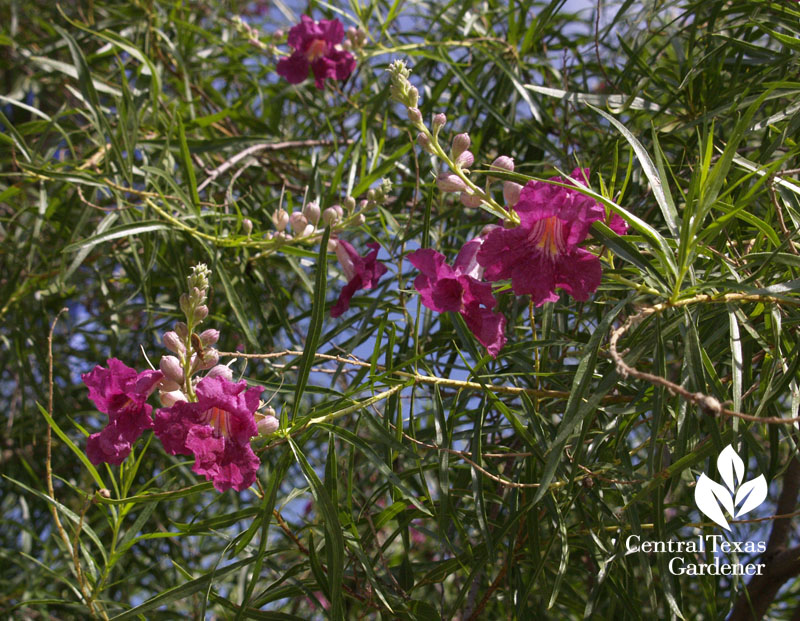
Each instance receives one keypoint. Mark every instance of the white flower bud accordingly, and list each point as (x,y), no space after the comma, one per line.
(349,203)
(333,244)
(172,369)
(361,219)
(460,144)
(280,219)
(511,192)
(450,183)
(309,230)
(247,226)
(311,212)
(167,385)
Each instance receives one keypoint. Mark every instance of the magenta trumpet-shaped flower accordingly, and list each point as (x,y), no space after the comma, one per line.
(542,254)
(216,429)
(361,272)
(316,47)
(120,392)
(458,289)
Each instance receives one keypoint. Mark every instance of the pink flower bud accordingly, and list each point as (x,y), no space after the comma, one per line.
(247,226)
(172,369)
(311,212)
(167,385)
(220,370)
(502,163)
(330,216)
(424,142)
(414,115)
(173,343)
(200,313)
(465,160)
(298,222)
(333,244)
(438,121)
(511,192)
(460,144)
(168,399)
(280,219)
(470,200)
(266,423)
(349,203)
(209,337)
(450,183)
(210,359)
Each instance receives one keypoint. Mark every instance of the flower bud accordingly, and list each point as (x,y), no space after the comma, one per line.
(503,163)
(209,337)
(280,219)
(331,217)
(174,343)
(311,212)
(450,183)
(333,244)
(460,144)
(412,96)
(185,304)
(266,423)
(309,230)
(168,399)
(414,115)
(438,121)
(349,203)
(200,313)
(222,371)
(171,368)
(360,220)
(298,222)
(424,142)
(209,359)
(247,226)
(167,385)
(470,200)
(182,331)
(465,160)
(511,192)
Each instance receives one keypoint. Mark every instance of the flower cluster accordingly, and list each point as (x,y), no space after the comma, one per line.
(537,244)
(212,418)
(317,46)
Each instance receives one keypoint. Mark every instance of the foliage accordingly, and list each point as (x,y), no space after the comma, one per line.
(414,476)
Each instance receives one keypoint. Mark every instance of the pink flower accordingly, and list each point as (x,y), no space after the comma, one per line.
(316,46)
(217,429)
(120,392)
(361,273)
(457,289)
(542,253)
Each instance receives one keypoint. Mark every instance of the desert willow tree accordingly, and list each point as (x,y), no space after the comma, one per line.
(399,310)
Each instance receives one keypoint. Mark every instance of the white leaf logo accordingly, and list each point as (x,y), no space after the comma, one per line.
(709,495)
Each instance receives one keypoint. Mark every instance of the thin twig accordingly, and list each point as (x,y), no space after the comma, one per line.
(706,402)
(264,146)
